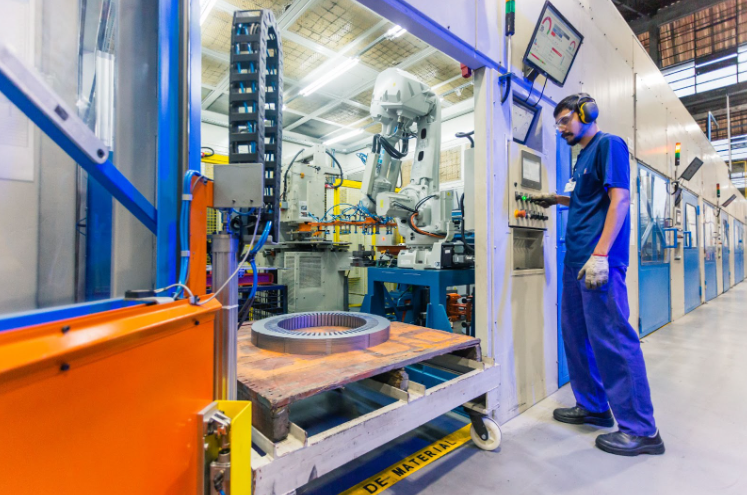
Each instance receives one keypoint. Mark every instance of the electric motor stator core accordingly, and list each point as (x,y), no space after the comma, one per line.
(320,332)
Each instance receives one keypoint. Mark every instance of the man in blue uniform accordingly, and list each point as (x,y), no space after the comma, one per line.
(608,374)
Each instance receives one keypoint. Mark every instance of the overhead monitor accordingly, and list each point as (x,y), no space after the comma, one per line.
(553,46)
(523,117)
(729,201)
(692,169)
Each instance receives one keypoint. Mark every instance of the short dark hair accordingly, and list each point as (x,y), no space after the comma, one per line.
(569,103)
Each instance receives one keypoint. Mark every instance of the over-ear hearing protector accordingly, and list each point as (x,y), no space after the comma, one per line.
(587,109)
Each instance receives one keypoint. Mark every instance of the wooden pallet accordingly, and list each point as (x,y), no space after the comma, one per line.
(273,381)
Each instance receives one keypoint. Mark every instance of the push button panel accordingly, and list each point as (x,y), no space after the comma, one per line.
(527,213)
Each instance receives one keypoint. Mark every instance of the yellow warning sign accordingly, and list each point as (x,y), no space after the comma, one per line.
(396,472)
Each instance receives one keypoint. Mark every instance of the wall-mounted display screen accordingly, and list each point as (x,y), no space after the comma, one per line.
(553,46)
(522,119)
(692,169)
(531,170)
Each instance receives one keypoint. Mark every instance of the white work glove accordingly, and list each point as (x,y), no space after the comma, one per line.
(596,270)
(545,200)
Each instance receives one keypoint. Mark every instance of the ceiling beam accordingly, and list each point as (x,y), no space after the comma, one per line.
(310,45)
(454,111)
(224,84)
(290,16)
(409,61)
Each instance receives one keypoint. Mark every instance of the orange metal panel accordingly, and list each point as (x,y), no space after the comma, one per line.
(106,403)
(202,197)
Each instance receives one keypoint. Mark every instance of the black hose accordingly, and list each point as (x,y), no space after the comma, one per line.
(467,135)
(342,178)
(391,150)
(464,238)
(285,177)
(422,201)
(504,97)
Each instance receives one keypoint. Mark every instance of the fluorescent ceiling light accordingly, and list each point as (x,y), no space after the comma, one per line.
(205,7)
(395,32)
(343,137)
(330,76)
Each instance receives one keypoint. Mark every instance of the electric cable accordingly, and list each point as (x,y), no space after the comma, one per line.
(262,240)
(504,97)
(184,226)
(423,232)
(397,203)
(541,95)
(181,286)
(342,178)
(424,200)
(467,135)
(244,310)
(287,170)
(205,155)
(390,149)
(464,238)
(531,90)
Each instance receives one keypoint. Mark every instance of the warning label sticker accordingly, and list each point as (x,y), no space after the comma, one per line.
(396,472)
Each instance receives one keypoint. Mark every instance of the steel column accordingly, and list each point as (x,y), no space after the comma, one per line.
(168,170)
(224,264)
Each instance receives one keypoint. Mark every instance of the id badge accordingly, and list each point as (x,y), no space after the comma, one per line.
(570,186)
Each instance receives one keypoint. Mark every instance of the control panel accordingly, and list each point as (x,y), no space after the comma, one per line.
(528,179)
(526,208)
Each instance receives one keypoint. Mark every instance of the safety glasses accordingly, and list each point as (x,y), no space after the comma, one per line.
(564,121)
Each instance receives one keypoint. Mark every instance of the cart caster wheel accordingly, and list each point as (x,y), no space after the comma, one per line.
(494,435)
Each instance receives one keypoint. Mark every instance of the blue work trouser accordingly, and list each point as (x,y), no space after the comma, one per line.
(604,352)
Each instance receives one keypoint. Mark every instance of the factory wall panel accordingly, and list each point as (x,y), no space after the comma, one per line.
(676,132)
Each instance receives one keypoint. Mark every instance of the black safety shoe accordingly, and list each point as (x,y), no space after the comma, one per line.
(620,443)
(579,416)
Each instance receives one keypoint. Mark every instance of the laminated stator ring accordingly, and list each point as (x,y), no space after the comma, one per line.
(320,332)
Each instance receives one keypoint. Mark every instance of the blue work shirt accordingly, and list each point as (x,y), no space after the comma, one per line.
(601,165)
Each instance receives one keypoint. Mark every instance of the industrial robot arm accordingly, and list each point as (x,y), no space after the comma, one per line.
(406,109)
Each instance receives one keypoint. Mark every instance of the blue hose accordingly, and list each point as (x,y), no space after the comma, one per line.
(184,229)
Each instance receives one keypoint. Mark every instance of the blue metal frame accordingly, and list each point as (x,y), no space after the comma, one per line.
(738,251)
(161,222)
(709,261)
(675,230)
(168,172)
(28,318)
(653,277)
(431,32)
(691,254)
(98,231)
(377,297)
(106,173)
(563,158)
(725,254)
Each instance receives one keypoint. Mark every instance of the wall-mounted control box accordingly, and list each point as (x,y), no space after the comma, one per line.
(528,179)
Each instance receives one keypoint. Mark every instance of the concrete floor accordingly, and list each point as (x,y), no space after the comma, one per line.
(697,367)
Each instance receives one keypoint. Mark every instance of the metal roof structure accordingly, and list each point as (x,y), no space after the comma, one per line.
(317,36)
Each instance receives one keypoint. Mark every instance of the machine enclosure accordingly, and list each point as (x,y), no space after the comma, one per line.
(239,185)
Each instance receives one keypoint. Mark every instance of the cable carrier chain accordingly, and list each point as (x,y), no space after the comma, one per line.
(256,100)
